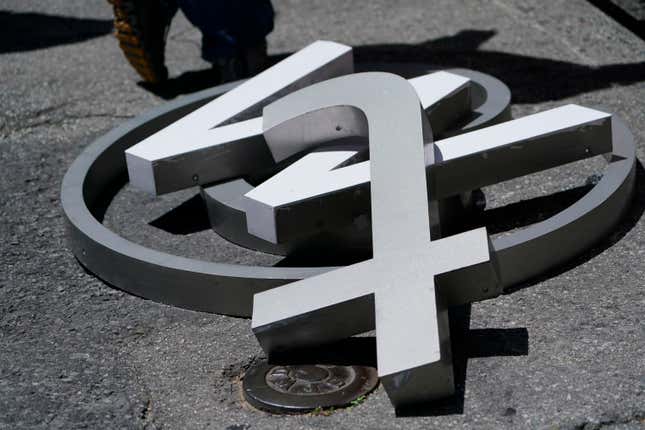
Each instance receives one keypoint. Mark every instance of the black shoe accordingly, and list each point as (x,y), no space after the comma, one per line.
(245,64)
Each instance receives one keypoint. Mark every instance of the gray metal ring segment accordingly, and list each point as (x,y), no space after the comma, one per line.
(229,289)
(490,105)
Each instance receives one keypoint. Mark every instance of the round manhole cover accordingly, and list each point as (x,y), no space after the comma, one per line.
(304,387)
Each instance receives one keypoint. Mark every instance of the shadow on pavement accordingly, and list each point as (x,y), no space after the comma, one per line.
(630,14)
(189,217)
(466,343)
(469,343)
(628,221)
(27,31)
(531,79)
(531,211)
(186,83)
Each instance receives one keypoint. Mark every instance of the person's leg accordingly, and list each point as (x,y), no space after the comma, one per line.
(141,27)
(233,31)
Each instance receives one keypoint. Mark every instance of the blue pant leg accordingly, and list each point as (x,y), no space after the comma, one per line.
(228,26)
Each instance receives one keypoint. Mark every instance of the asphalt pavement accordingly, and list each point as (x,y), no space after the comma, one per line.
(566,351)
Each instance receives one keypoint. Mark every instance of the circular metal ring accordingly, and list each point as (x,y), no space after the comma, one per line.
(229,289)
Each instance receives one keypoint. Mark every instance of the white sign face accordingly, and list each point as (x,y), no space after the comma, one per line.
(197,150)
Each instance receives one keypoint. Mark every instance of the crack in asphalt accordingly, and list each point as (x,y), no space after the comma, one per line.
(9,130)
(610,419)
